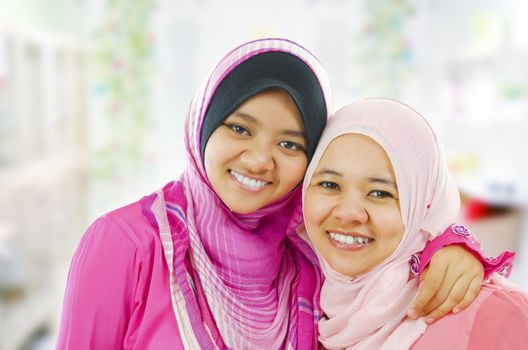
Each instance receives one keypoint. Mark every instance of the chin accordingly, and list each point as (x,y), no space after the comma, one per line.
(345,269)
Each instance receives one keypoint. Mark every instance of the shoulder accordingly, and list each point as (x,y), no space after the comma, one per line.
(497,318)
(502,306)
(501,322)
(118,242)
(110,279)
(125,228)
(505,299)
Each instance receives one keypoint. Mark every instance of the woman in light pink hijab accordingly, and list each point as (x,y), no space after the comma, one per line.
(376,191)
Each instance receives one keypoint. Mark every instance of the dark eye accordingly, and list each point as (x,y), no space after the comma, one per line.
(329,185)
(380,194)
(238,129)
(294,146)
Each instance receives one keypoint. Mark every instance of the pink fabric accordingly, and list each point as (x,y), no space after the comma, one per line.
(497,319)
(248,265)
(458,234)
(368,312)
(117,296)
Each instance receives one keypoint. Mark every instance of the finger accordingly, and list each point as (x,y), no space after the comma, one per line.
(471,293)
(431,282)
(455,290)
(453,298)
(469,282)
(412,308)
(454,286)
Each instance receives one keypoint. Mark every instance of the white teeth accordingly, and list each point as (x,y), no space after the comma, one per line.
(346,239)
(246,181)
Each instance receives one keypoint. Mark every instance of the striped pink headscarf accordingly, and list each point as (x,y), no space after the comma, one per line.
(249,281)
(369,311)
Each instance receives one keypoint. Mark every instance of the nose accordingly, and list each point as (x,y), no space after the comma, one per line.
(258,158)
(350,210)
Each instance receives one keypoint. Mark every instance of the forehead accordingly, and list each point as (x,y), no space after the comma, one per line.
(355,153)
(273,107)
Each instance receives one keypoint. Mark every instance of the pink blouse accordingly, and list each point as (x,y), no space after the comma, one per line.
(118,294)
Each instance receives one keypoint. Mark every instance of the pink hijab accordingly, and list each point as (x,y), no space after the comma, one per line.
(248,281)
(368,312)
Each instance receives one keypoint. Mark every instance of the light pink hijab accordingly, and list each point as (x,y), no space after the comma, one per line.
(369,311)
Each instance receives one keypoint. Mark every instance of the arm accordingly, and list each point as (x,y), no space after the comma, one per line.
(100,289)
(454,277)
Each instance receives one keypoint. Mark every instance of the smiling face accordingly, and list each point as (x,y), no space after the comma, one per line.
(351,206)
(257,155)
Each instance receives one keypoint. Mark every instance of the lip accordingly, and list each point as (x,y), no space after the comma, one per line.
(246,187)
(348,247)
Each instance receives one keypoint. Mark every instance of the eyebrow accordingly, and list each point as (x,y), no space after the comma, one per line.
(325,171)
(247,117)
(381,180)
(250,118)
(293,133)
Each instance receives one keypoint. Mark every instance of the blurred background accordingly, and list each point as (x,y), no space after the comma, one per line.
(93,96)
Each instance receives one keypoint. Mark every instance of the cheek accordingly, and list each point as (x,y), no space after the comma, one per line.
(209,163)
(215,164)
(218,151)
(211,154)
(211,166)
(396,224)
(316,210)
(393,224)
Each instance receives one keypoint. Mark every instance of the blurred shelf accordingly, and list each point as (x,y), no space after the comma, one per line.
(494,192)
(42,173)
(43,170)
(21,318)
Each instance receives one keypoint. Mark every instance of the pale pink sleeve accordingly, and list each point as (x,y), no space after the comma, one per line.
(460,235)
(501,322)
(100,290)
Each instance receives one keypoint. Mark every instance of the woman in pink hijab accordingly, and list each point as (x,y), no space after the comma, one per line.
(213,260)
(376,191)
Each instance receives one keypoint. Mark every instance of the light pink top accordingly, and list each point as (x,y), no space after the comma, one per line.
(497,319)
(129,305)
